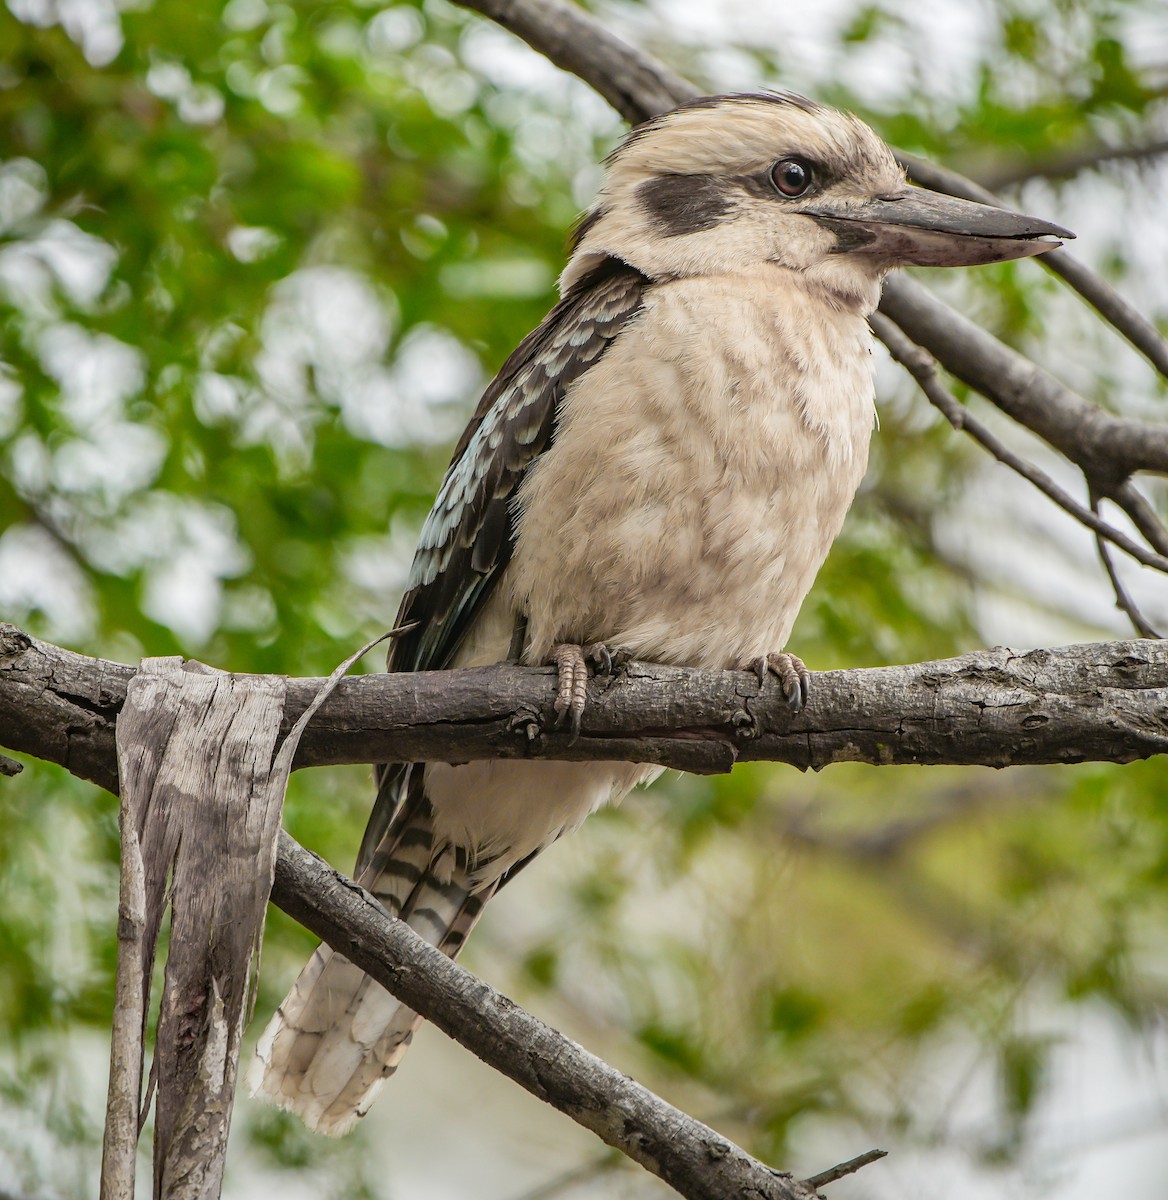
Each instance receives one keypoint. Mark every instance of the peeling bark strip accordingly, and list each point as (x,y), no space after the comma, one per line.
(202,797)
(194,755)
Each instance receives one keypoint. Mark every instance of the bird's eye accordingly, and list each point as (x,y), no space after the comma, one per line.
(791,176)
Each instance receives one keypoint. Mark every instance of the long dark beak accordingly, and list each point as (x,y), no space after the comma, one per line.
(927,229)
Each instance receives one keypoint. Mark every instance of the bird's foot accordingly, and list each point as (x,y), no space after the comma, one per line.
(791,673)
(571,663)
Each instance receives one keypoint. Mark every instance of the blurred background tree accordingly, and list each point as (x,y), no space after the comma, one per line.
(256,261)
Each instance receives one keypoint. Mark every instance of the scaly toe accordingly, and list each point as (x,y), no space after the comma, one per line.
(572,693)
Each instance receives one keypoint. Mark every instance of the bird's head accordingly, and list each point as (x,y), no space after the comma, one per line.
(727,183)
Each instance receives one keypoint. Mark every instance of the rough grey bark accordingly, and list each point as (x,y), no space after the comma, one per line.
(119,1152)
(1105,702)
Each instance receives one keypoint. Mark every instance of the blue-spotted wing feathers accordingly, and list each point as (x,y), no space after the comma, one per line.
(466,540)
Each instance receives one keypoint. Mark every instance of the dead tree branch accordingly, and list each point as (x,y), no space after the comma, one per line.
(1103,702)
(1108,449)
(691,1157)
(923,369)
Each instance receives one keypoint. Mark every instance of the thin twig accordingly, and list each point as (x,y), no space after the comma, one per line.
(1072,162)
(582,1173)
(1123,598)
(921,365)
(815,1182)
(1143,515)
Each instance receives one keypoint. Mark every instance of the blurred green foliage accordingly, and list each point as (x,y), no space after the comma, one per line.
(256,260)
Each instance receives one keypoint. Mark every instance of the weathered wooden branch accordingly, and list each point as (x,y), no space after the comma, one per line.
(202,786)
(1105,702)
(694,1159)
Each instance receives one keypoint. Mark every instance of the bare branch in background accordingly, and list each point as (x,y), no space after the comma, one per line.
(1142,515)
(894,838)
(1123,597)
(1102,297)
(634,83)
(565,1181)
(1072,162)
(923,369)
(1108,449)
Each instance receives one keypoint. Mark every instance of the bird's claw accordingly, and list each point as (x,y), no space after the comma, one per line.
(607,661)
(571,663)
(791,673)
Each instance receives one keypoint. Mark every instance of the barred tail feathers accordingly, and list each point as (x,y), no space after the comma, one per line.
(339,1034)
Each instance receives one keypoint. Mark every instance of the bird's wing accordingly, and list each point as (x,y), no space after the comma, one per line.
(467,539)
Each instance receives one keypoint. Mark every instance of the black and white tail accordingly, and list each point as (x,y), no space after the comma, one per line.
(339,1035)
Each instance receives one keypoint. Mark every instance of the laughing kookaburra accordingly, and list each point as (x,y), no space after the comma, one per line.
(660,467)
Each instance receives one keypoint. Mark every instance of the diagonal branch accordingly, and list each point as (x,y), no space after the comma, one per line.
(689,1156)
(1143,515)
(923,369)
(1093,288)
(1106,448)
(634,83)
(1067,163)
